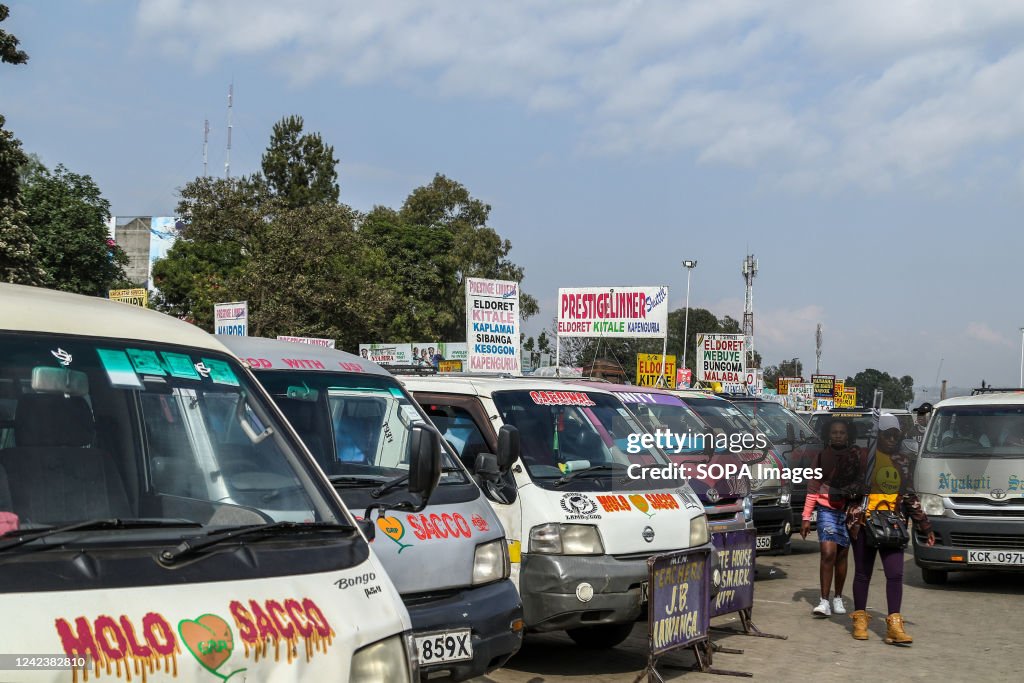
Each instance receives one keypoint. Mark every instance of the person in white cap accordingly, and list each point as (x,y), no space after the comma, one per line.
(886,474)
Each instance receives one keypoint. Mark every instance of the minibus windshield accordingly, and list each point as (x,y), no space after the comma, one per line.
(143,436)
(353,424)
(976,431)
(563,432)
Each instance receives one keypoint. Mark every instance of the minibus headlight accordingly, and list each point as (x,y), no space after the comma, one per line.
(698,531)
(932,505)
(490,562)
(385,660)
(748,508)
(566,539)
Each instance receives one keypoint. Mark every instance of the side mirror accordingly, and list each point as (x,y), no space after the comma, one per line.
(486,467)
(368,528)
(508,447)
(790,433)
(424,460)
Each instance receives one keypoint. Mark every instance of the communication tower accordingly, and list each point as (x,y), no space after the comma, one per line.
(749,273)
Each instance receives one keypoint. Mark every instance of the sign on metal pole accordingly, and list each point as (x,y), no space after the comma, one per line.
(231,318)
(492,326)
(721,358)
(824,385)
(650,369)
(312,341)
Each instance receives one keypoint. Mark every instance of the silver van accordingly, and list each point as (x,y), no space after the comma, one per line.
(970,479)
(447,555)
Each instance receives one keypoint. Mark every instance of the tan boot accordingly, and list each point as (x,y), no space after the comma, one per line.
(860,624)
(894,633)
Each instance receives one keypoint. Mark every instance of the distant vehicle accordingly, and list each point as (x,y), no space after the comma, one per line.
(773,517)
(863,421)
(793,438)
(970,479)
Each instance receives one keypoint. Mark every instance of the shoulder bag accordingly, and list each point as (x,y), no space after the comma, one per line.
(885,529)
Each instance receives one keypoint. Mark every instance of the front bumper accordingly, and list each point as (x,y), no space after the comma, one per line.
(548,586)
(776,522)
(488,610)
(957,536)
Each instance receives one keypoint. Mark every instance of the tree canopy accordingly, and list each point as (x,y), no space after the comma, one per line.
(298,167)
(896,392)
(68,217)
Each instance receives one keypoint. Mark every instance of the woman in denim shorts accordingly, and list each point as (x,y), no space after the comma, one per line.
(839,462)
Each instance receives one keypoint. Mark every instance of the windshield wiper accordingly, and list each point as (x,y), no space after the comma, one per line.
(29,535)
(192,546)
(356,480)
(398,481)
(590,470)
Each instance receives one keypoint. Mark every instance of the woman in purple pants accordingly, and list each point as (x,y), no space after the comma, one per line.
(887,478)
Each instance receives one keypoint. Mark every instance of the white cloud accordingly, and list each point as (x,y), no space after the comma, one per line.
(814,96)
(984,333)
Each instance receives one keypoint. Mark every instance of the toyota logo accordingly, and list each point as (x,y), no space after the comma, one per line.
(997,494)
(713,495)
(648,534)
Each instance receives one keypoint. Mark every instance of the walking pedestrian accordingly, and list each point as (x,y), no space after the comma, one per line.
(827,501)
(887,481)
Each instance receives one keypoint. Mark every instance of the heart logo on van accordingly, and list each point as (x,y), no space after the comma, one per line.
(641,504)
(209,640)
(393,529)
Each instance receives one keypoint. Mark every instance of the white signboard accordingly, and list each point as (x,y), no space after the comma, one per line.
(492,326)
(387,354)
(721,358)
(313,341)
(613,311)
(801,395)
(231,318)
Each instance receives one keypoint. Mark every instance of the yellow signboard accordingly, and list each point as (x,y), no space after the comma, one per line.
(649,370)
(136,297)
(839,386)
(848,399)
(449,366)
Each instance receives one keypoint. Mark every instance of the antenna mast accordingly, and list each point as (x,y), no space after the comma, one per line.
(817,350)
(206,146)
(749,273)
(227,159)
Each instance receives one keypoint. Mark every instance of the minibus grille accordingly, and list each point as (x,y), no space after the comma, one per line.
(994,541)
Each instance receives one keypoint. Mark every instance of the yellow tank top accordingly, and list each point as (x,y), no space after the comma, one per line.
(885,482)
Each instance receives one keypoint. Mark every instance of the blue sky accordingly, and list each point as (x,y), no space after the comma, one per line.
(868,153)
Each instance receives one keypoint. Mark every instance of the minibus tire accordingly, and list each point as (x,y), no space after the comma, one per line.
(934,577)
(601,636)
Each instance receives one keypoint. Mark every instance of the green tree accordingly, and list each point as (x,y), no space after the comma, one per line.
(225,223)
(9,52)
(435,241)
(299,168)
(17,263)
(787,368)
(67,214)
(896,392)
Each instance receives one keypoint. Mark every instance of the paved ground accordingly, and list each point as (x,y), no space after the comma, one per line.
(969,629)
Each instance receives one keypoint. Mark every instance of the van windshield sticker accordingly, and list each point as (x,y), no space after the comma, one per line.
(146,362)
(396,392)
(411,414)
(180,365)
(561,398)
(220,372)
(119,369)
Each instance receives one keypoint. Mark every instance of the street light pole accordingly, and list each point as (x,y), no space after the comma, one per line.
(690,265)
(1021,358)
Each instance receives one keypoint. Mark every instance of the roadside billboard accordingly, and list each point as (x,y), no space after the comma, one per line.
(492,326)
(613,311)
(387,354)
(649,370)
(433,353)
(312,341)
(824,385)
(137,297)
(721,358)
(848,398)
(231,318)
(684,378)
(801,395)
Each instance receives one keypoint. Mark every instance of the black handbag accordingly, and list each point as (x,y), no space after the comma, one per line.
(885,529)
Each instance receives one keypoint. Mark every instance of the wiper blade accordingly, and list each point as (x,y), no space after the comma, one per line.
(398,481)
(590,470)
(29,535)
(192,546)
(354,480)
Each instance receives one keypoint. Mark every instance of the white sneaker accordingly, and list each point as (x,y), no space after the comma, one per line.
(837,605)
(823,609)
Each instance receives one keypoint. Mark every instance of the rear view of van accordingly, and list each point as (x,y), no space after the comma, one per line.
(159,520)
